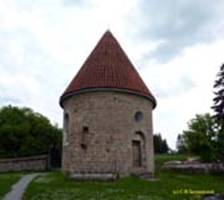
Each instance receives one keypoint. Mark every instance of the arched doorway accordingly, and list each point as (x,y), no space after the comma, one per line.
(138,150)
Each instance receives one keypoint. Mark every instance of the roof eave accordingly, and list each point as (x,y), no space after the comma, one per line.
(88,90)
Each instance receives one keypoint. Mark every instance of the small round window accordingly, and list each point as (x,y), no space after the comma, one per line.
(138,116)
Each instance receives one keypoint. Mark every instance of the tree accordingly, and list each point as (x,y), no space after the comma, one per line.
(218,108)
(24,132)
(200,138)
(165,148)
(181,145)
(160,145)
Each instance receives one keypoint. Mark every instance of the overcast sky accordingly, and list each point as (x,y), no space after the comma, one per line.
(176,45)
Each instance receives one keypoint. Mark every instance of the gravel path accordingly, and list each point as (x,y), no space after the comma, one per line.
(19,188)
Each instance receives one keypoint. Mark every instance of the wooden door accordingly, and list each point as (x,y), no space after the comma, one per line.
(136,148)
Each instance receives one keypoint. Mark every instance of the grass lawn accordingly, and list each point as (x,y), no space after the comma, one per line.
(56,187)
(6,181)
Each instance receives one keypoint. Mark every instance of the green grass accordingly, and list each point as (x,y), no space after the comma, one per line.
(6,182)
(56,187)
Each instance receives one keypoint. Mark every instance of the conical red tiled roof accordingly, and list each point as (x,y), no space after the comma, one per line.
(108,67)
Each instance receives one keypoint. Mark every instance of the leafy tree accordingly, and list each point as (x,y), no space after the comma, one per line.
(165,148)
(24,132)
(181,145)
(200,138)
(218,108)
(160,145)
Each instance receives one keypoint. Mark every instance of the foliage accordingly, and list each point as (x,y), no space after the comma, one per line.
(219,98)
(218,108)
(55,186)
(24,132)
(181,145)
(200,138)
(160,145)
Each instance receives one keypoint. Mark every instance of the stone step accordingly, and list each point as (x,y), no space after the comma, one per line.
(94,176)
(146,175)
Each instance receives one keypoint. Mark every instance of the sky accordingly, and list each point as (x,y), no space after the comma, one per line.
(176,45)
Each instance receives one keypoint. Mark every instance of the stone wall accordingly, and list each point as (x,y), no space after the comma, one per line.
(100,132)
(35,163)
(194,168)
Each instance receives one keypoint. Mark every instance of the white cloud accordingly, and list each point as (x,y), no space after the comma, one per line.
(199,64)
(179,24)
(44,43)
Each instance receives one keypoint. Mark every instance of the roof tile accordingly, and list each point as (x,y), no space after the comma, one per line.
(108,67)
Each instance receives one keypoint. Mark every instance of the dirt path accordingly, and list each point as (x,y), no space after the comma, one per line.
(19,188)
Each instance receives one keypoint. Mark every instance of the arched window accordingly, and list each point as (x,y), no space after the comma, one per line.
(66,129)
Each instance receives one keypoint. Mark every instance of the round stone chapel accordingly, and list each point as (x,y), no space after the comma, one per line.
(108,129)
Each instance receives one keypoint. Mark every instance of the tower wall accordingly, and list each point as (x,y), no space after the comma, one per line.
(100,129)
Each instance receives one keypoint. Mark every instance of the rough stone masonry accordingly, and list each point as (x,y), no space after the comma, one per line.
(108,131)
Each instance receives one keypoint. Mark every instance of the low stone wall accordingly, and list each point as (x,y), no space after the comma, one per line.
(34,163)
(204,168)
